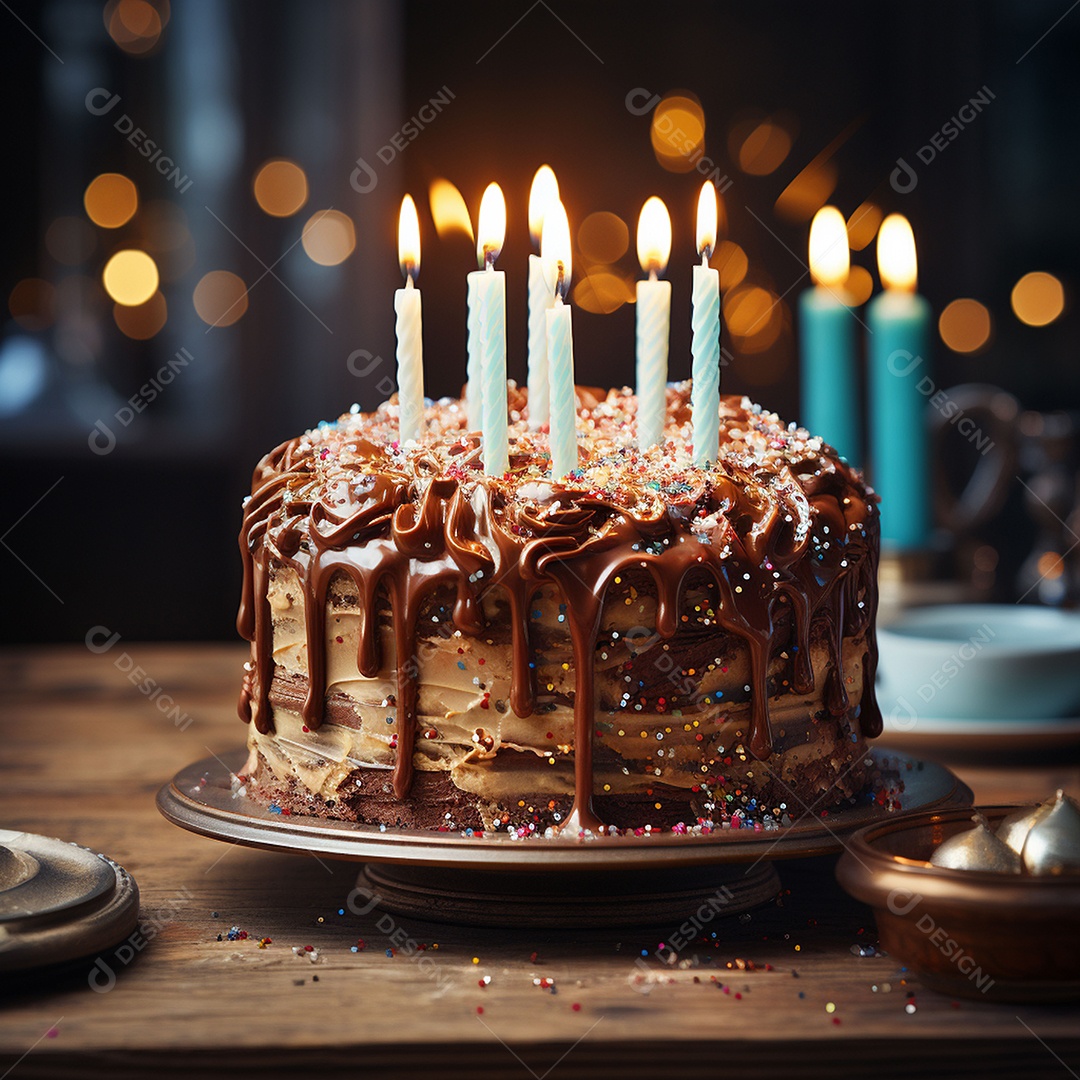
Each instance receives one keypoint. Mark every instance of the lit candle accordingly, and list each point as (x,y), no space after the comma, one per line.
(544,192)
(653,322)
(556,253)
(705,345)
(487,325)
(898,346)
(830,403)
(410,347)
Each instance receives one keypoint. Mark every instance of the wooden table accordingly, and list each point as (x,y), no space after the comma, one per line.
(85,750)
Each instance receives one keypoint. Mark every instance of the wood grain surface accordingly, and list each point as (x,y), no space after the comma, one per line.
(84,751)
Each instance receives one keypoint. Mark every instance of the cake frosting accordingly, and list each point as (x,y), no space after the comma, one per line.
(646,644)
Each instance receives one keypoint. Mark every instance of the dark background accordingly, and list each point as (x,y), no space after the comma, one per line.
(142,539)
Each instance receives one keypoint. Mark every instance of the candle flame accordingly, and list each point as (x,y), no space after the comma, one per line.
(708,212)
(654,236)
(555,248)
(544,192)
(448,210)
(897,264)
(491,230)
(830,256)
(408,239)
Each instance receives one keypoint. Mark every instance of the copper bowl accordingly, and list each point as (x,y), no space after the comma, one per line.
(966,933)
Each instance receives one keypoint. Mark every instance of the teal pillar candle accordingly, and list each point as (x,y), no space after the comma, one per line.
(898,344)
(830,405)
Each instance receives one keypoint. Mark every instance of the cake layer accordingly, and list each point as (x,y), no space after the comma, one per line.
(554,649)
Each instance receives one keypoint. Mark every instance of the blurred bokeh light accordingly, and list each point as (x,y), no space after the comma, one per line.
(965,325)
(142,322)
(281,187)
(31,303)
(1038,298)
(130,277)
(759,147)
(136,25)
(449,210)
(603,237)
(110,200)
(678,132)
(601,292)
(220,298)
(329,237)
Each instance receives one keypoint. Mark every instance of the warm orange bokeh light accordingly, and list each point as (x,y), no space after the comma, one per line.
(602,292)
(965,325)
(764,149)
(110,200)
(220,298)
(281,187)
(678,132)
(130,277)
(329,237)
(143,322)
(1038,298)
(808,192)
(449,210)
(863,225)
(858,287)
(754,317)
(731,261)
(31,303)
(136,25)
(603,238)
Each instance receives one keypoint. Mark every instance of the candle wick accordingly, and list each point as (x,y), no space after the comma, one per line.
(409,277)
(652,273)
(705,253)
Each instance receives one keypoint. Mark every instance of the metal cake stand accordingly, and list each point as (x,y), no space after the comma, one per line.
(564,882)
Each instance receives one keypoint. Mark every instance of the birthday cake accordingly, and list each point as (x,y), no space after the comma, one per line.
(648,645)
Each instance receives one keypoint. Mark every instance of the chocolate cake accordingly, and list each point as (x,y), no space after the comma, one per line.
(648,645)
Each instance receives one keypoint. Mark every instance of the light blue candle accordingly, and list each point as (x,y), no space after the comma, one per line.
(830,403)
(898,351)
(557,255)
(653,323)
(487,307)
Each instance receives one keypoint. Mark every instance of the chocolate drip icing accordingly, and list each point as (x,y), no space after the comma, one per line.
(777,520)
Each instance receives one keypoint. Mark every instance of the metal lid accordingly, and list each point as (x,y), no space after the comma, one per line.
(59,901)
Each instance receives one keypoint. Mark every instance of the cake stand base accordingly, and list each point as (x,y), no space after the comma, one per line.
(578,899)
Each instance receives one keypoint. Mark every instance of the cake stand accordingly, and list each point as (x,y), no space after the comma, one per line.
(562,882)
